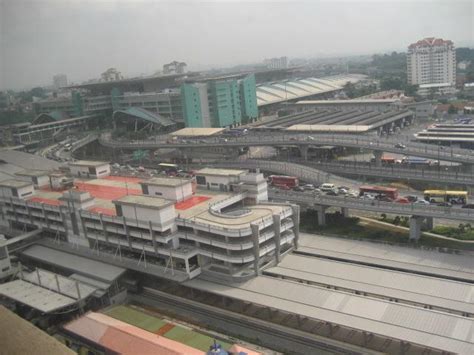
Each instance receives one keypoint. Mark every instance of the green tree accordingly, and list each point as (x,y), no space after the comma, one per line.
(411,90)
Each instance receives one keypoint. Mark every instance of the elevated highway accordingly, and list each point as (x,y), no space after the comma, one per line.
(303,141)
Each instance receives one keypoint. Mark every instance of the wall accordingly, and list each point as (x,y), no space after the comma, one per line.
(248,98)
(191,106)
(215,179)
(171,193)
(165,215)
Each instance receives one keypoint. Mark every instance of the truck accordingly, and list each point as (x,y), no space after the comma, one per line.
(283,181)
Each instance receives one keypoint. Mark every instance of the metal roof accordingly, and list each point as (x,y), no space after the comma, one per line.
(88,163)
(15,183)
(84,266)
(329,128)
(27,161)
(452,295)
(146,115)
(270,93)
(425,327)
(219,172)
(197,132)
(402,258)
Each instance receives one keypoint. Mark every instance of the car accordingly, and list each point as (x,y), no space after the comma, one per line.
(317,191)
(352,195)
(309,187)
(421,202)
(311,138)
(343,191)
(367,197)
(332,193)
(444,204)
(298,189)
(326,187)
(384,198)
(411,198)
(469,205)
(402,200)
(400,146)
(343,187)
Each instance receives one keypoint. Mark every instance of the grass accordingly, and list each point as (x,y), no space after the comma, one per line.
(455,232)
(354,228)
(153,324)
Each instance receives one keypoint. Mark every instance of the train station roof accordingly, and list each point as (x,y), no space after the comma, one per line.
(140,113)
(197,132)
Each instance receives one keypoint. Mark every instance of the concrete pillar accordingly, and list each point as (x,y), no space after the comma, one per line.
(345,212)
(415,227)
(378,157)
(295,217)
(256,246)
(321,212)
(104,228)
(127,232)
(429,223)
(304,151)
(153,238)
(276,229)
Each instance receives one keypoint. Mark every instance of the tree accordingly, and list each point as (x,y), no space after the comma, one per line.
(411,90)
(452,109)
(391,83)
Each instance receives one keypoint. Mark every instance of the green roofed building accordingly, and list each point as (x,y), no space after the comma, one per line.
(219,103)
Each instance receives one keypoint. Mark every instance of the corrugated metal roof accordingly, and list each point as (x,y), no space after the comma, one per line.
(457,296)
(402,258)
(415,325)
(145,115)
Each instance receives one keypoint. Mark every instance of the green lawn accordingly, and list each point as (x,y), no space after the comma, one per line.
(136,318)
(153,324)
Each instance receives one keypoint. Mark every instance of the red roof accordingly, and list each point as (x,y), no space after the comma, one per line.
(429,42)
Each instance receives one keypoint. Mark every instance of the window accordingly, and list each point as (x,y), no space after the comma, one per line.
(119,211)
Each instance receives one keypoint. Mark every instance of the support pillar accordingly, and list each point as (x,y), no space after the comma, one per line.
(429,223)
(276,229)
(415,227)
(321,212)
(304,151)
(256,247)
(345,212)
(378,157)
(295,217)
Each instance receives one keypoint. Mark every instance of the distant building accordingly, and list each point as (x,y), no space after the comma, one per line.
(111,74)
(431,61)
(463,65)
(59,81)
(174,68)
(219,103)
(276,63)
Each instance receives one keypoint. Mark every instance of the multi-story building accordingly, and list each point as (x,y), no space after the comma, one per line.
(59,81)
(174,68)
(221,224)
(431,61)
(276,63)
(223,102)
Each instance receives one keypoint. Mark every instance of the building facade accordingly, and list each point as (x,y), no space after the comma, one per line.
(59,81)
(221,224)
(219,103)
(174,68)
(431,61)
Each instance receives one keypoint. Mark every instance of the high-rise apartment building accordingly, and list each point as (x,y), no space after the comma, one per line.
(59,81)
(276,63)
(431,61)
(219,103)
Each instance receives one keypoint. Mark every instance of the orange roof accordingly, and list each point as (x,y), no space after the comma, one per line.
(124,338)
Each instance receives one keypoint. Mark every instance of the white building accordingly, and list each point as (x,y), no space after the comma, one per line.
(431,61)
(89,169)
(276,63)
(225,229)
(59,81)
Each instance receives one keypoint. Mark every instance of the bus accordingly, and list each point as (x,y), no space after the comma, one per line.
(439,196)
(416,161)
(281,180)
(379,191)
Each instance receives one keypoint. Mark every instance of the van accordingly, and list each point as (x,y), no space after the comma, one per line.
(327,187)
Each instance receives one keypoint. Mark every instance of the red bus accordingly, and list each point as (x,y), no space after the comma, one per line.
(281,180)
(389,192)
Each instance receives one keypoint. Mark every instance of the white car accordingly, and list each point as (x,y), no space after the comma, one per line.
(421,202)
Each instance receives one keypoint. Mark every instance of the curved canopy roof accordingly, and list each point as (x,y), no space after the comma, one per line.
(136,112)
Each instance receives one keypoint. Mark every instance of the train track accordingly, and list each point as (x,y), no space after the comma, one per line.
(269,334)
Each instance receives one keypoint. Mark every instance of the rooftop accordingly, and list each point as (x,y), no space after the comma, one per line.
(329,128)
(18,336)
(197,132)
(14,183)
(220,172)
(144,201)
(33,173)
(169,182)
(88,163)
(346,102)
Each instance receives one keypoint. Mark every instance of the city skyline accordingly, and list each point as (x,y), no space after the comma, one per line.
(83,39)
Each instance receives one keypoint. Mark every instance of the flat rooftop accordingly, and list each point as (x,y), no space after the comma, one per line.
(75,264)
(14,183)
(328,128)
(34,172)
(420,326)
(144,201)
(346,102)
(168,182)
(444,265)
(88,163)
(197,132)
(220,172)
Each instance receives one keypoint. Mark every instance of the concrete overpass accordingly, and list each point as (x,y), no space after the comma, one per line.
(304,141)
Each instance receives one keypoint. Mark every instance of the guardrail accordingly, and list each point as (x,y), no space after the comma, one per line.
(374,205)
(464,156)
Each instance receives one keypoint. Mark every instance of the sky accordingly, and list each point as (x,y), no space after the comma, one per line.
(82,38)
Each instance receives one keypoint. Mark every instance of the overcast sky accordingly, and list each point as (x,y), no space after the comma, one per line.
(40,38)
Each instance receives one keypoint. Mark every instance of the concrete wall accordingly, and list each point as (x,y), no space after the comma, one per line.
(177,193)
(164,216)
(83,171)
